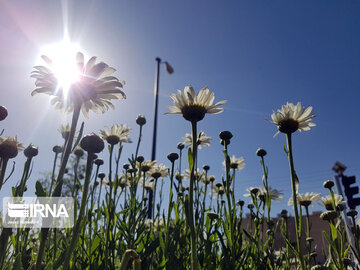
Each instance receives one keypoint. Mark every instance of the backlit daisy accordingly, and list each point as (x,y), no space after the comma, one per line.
(93,89)
(192,106)
(293,117)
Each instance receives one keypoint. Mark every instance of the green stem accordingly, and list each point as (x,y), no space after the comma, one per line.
(138,143)
(59,181)
(53,173)
(77,227)
(110,207)
(194,259)
(169,209)
(294,195)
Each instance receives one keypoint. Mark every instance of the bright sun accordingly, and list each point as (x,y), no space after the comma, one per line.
(63,56)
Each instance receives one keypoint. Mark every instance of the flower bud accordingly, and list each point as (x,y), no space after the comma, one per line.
(140,120)
(329,215)
(57,149)
(254,191)
(140,159)
(172,157)
(284,213)
(328,184)
(31,151)
(212,178)
(101,175)
(240,203)
(79,152)
(352,213)
(99,162)
(131,170)
(212,215)
(92,143)
(126,166)
(225,135)
(3,113)
(206,167)
(180,146)
(261,152)
(250,206)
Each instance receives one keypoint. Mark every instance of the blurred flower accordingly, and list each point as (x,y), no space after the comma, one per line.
(10,147)
(180,146)
(327,201)
(217,190)
(124,180)
(192,106)
(105,182)
(79,152)
(202,139)
(305,199)
(260,192)
(274,194)
(65,131)
(199,175)
(236,163)
(293,117)
(117,133)
(94,89)
(149,185)
(157,171)
(146,165)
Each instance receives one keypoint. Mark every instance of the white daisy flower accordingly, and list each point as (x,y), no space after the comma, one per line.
(327,201)
(117,133)
(305,199)
(192,106)
(93,90)
(236,163)
(202,139)
(158,171)
(293,117)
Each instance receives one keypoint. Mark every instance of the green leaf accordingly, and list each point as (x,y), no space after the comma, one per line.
(95,244)
(333,231)
(329,240)
(13,241)
(191,160)
(49,266)
(296,183)
(40,192)
(285,150)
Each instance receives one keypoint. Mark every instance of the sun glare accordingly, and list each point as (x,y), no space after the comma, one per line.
(63,57)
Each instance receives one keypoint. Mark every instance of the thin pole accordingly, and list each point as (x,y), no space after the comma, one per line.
(153,152)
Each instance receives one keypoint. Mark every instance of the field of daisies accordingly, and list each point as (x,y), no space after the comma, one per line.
(121,218)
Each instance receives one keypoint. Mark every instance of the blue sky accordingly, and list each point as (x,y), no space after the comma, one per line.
(256,54)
